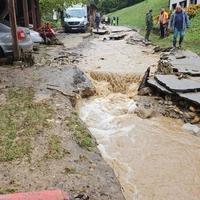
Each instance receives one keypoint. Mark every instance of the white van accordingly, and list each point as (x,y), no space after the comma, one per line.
(76,18)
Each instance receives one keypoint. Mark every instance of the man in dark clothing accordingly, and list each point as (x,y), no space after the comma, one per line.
(97,20)
(108,20)
(149,24)
(117,21)
(179,22)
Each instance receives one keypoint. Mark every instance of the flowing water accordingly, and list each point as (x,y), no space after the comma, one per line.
(152,158)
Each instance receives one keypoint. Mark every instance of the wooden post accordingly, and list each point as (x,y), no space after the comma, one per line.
(13,24)
(26,15)
(33,11)
(38,15)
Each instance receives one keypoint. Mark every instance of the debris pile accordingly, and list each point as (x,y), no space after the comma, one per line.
(178,77)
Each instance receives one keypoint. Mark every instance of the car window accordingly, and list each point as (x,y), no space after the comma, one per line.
(4,28)
(75,13)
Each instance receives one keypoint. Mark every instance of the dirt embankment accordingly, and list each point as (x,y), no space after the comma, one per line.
(43,143)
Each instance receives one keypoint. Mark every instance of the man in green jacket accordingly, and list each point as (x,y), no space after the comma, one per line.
(149,24)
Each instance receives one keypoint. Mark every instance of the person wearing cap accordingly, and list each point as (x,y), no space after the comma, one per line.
(163,21)
(149,24)
(179,22)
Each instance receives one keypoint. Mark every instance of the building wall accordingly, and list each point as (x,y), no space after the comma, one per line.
(184,2)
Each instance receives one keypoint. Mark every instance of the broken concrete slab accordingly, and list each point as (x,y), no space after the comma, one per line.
(100,32)
(117,36)
(192,96)
(185,62)
(172,83)
(152,82)
(117,29)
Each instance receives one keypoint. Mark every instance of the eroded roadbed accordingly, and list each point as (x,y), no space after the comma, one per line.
(44,144)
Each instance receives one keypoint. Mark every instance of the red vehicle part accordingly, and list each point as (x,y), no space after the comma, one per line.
(43,195)
(21,34)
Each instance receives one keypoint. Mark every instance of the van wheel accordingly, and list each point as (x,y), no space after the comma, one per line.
(1,53)
(66,30)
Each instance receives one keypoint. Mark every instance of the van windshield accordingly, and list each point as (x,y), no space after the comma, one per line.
(75,13)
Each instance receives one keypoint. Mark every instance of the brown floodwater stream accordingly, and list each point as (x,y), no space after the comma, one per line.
(152,158)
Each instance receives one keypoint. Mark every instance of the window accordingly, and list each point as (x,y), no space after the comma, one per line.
(174,6)
(193,1)
(183,3)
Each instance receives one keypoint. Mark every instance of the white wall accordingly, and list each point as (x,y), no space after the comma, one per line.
(178,1)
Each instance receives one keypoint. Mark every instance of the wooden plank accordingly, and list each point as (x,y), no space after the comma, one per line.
(13,24)
(25,11)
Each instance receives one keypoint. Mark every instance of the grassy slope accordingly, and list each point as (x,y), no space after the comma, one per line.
(134,16)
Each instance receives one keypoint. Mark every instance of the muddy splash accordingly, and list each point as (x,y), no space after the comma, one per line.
(152,158)
(115,82)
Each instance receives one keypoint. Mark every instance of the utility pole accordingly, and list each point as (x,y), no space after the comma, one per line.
(13,24)
(25,10)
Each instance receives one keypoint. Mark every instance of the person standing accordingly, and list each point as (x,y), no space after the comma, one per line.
(108,20)
(179,22)
(163,21)
(117,20)
(114,21)
(97,20)
(149,24)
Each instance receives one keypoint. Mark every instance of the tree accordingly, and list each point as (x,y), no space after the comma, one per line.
(47,6)
(107,6)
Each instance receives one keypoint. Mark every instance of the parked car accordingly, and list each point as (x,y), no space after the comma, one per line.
(6,44)
(36,38)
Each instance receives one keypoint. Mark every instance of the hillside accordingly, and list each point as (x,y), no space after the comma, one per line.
(134,16)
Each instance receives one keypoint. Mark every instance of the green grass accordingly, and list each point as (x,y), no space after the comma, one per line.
(20,120)
(7,190)
(192,37)
(134,16)
(55,149)
(81,133)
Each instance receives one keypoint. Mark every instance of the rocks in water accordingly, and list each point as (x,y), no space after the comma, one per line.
(144,112)
(192,128)
(192,109)
(196,120)
(87,92)
(146,91)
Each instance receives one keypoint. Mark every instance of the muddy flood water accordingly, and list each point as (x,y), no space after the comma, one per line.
(153,159)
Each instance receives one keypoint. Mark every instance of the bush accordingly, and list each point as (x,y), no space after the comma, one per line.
(192,10)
